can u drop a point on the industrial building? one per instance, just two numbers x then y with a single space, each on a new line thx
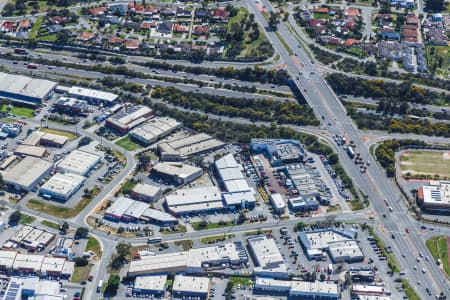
177 173
154 129
146 192
194 261
367 289
47 266
299 289
93 96
79 162
278 203
240 194
45 139
299 204
118 208
203 199
155 285
181 145
191 286
128 118
267 258
62 186
32 238
25 89
26 174
26 150
134 211
279 151
341 246
71 105
151 215
10 129
302 181
435 196
362 274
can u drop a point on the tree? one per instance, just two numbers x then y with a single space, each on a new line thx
123 249
434 5
3 185
81 233
14 218
62 37
333 159
113 284
9 9
81 261
273 20
64 227
322 277
85 140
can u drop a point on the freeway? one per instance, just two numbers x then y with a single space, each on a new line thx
374 182
71 73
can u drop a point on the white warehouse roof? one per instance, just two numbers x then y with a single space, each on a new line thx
27 172
63 184
79 162
25 86
77 91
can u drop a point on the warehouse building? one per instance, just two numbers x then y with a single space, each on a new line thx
135 211
204 199
146 192
118 208
299 204
161 218
278 203
435 196
340 245
62 186
7 260
299 289
28 263
71 105
57 267
52 140
26 174
267 258
182 145
279 151
26 150
154 129
25 89
367 289
302 181
32 238
95 97
191 286
194 261
128 118
177 173
79 162
154 285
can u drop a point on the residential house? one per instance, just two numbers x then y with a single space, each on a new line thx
132 44
409 35
85 36
412 20
120 9
183 13
202 13
115 41
321 10
351 13
8 26
178 28
98 11
147 25
168 12
350 42
200 30
220 14
24 25
164 27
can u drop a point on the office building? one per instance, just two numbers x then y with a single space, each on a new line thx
128 118
26 174
435 196
25 89
154 129
146 192
95 97
79 162
279 151
278 203
267 258
345 251
299 204
182 145
191 286
62 186
204 199
71 105
299 289
118 208
177 173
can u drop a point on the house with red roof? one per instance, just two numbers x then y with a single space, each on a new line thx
220 14
178 28
200 30
98 11
85 36
350 42
132 44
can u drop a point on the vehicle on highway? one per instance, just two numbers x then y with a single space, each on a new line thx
154 240
99 286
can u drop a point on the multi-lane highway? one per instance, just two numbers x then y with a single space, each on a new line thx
373 183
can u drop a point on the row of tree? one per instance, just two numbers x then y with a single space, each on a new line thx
267 110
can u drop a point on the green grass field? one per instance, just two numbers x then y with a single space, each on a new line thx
94 245
244 281
438 60
69 135
216 238
81 273
438 248
425 162
26 219
50 224
198 226
185 244
128 144
321 16
26 112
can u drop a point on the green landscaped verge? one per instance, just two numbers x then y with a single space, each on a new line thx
69 135
257 232
81 273
185 244
61 211
35 28
244 281
128 144
50 224
321 16
438 248
47 37
26 219
409 291
20 111
178 229
202 226
216 238
128 186
94 245
392 263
